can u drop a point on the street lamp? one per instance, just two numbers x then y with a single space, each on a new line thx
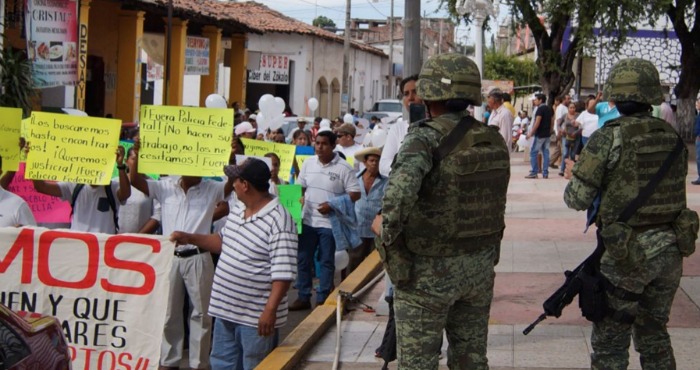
478 10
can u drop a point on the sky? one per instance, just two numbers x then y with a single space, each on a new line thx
307 10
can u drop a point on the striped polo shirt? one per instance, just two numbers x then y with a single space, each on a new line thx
255 251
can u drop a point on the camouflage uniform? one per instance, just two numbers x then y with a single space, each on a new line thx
618 160
443 225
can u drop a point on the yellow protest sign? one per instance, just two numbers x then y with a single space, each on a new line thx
285 151
301 158
185 140
10 123
71 148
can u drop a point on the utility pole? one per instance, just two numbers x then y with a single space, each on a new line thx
392 95
345 98
411 39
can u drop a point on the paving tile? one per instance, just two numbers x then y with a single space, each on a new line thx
551 351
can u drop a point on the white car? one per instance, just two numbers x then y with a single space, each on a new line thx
389 107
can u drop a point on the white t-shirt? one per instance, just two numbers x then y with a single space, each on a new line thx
137 210
190 212
561 112
323 182
588 123
394 138
91 212
14 210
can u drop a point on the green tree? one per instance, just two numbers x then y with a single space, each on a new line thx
323 22
16 80
498 66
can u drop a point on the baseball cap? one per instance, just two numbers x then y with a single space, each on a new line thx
253 116
244 127
301 120
252 170
347 129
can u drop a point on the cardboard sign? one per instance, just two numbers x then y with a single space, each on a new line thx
258 148
46 209
80 150
108 291
10 127
289 196
184 140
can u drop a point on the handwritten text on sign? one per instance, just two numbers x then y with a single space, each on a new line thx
46 209
71 149
107 290
259 148
10 122
185 141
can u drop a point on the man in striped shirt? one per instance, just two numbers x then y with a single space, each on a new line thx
258 248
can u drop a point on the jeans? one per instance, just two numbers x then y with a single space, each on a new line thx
239 347
310 239
584 140
541 144
697 155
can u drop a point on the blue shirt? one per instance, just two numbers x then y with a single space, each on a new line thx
696 129
369 204
605 113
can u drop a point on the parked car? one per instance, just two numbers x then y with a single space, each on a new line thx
391 107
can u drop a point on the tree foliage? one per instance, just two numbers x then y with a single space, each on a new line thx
323 21
16 80
498 66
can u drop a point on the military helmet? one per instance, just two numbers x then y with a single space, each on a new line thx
449 76
634 80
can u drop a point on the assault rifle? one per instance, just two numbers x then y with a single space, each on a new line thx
554 305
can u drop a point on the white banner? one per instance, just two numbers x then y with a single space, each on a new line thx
273 69
110 292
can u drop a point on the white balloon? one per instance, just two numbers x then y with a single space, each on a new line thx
264 104
378 137
348 118
276 122
313 104
279 105
367 141
341 260
263 124
325 123
215 101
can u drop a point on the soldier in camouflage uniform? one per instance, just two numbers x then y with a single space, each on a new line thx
443 222
643 257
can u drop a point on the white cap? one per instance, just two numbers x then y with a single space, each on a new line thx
253 116
325 123
244 127
325 129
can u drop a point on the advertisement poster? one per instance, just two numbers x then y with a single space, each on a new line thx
197 56
52 35
273 69
109 292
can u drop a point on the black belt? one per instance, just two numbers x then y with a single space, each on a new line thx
188 252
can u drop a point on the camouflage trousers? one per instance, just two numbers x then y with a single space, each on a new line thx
657 280
451 293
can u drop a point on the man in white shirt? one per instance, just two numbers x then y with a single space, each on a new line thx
347 145
588 121
322 177
14 211
500 116
187 204
398 130
95 207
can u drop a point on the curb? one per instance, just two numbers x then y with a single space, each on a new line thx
301 340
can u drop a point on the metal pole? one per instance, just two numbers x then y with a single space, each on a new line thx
479 55
345 99
168 51
412 51
391 52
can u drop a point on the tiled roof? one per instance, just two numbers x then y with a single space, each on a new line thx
249 17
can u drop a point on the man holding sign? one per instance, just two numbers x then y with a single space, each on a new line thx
187 204
94 207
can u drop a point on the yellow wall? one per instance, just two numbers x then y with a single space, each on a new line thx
103 38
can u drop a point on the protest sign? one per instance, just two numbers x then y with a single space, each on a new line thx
10 124
72 149
127 145
289 196
301 159
108 291
46 209
184 140
259 148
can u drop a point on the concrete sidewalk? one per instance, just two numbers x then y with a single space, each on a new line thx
543 238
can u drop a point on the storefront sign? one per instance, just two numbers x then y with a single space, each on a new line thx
197 56
273 69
